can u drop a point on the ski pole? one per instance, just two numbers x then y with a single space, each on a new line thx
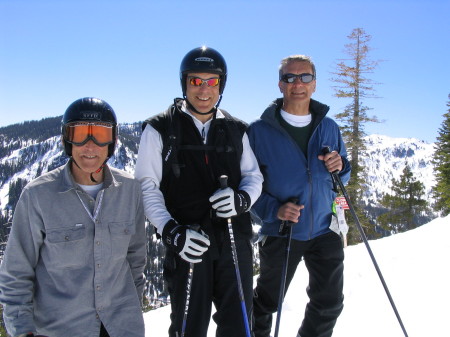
188 297
223 184
337 179
285 225
188 289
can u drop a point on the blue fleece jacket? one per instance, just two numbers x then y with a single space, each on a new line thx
289 173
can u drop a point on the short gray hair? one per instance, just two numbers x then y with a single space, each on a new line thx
296 58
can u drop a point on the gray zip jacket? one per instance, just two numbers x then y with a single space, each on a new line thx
63 274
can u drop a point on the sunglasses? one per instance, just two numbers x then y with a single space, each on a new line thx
197 81
304 78
80 133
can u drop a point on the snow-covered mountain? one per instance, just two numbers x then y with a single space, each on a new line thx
385 159
25 153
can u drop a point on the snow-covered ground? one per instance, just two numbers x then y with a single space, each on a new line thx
415 266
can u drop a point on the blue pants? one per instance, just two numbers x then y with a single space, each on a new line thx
323 256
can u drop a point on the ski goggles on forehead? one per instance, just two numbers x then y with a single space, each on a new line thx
197 81
80 133
290 78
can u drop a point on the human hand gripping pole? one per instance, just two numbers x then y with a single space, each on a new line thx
226 202
285 229
337 178
188 241
286 226
223 185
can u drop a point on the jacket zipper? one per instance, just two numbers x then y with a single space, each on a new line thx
311 225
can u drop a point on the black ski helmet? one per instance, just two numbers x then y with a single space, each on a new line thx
89 109
203 60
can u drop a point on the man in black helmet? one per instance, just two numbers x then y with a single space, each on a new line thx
75 257
182 154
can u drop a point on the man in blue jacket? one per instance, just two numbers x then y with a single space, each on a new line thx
288 141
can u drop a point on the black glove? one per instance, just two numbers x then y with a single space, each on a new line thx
227 202
185 241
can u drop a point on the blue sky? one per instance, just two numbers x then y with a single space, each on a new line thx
128 52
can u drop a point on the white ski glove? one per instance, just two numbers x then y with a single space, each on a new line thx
187 242
227 202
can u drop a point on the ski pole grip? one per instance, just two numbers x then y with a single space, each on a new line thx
195 227
223 182
326 149
294 200
286 224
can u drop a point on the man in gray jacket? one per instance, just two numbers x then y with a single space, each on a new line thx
75 257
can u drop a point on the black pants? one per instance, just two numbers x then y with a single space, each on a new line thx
323 258
214 281
103 332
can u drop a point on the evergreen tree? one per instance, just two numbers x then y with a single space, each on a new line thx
5 224
352 83
15 189
2 324
156 292
441 160
404 205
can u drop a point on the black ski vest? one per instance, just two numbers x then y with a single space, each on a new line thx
191 169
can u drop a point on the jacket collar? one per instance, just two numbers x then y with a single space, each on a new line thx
318 111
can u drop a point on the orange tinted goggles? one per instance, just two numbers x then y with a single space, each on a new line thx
211 82
80 133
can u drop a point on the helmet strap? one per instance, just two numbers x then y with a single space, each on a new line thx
99 169
92 173
74 161
92 178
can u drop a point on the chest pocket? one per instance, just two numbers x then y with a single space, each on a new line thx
120 233
66 246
